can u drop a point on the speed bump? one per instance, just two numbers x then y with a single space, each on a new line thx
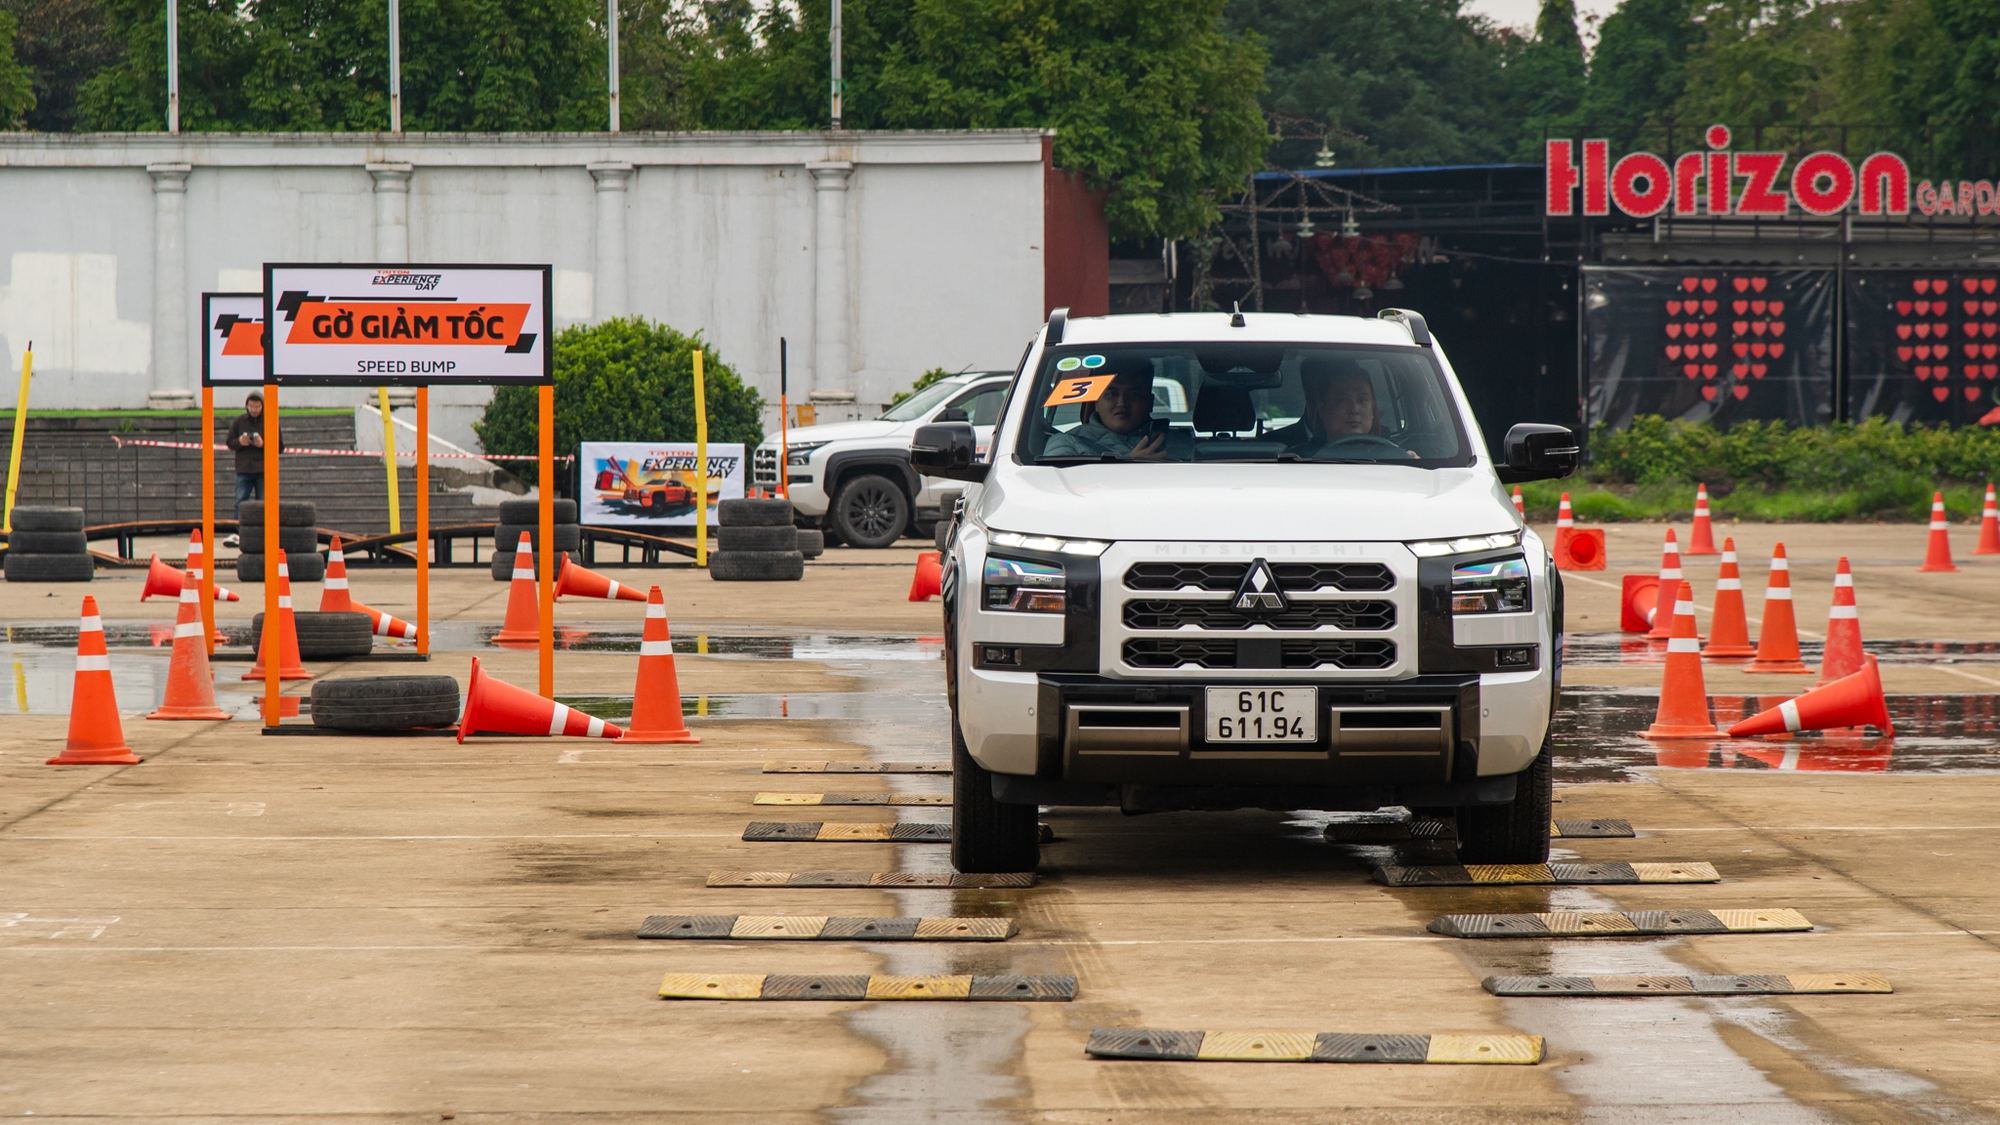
1427 828
899 832
1634 923
856 767
777 986
868 879
1536 874
1601 829
926 800
1697 985
799 927
1306 1046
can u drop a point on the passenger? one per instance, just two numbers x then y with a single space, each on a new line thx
1118 424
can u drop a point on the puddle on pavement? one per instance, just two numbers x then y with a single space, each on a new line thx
467 636
1608 650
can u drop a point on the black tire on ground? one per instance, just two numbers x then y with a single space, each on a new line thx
48 542
754 512
385 702
869 511
300 566
941 534
324 636
503 565
569 537
47 517
291 513
290 538
987 836
1516 832
24 567
741 538
756 566
530 511
812 542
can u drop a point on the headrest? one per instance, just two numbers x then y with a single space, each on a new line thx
1219 409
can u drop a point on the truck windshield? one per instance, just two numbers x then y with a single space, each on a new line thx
920 404
1326 403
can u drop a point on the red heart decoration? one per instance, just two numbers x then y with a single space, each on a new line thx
1989 369
1777 350
1987 284
1923 285
1708 308
1688 283
1674 330
1758 349
1970 283
1758 283
1740 370
1971 329
1923 331
1777 328
1939 330
1901 353
1740 328
1756 328
1922 373
1673 351
1690 328
1757 307
1989 328
1691 369
1708 328
1972 351
1741 392
1939 285
1902 331
1940 393
1708 392
1708 370
1971 307
1740 283
1972 394
1777 308
1708 285
1708 351
1988 308
1972 371
1737 307
1673 308
1741 349
1989 350
1758 369
1902 308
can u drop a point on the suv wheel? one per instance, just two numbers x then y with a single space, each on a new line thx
987 836
870 511
1518 831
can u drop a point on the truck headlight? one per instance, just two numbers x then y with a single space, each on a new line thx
1491 586
1437 548
1024 587
801 454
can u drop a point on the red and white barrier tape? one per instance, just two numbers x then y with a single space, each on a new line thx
412 454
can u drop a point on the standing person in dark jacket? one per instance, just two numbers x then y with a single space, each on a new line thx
246 438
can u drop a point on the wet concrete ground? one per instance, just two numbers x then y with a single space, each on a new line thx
247 928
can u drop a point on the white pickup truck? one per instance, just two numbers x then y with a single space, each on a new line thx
1314 593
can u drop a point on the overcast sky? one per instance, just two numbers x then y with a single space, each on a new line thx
1521 13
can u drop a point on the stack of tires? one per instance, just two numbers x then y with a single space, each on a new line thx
298 537
812 542
337 635
517 516
756 543
385 703
48 545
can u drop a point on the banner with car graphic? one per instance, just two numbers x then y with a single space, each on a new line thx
652 485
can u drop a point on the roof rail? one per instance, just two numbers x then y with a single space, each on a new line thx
1420 333
1058 320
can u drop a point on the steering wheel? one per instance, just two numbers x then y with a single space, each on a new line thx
1363 445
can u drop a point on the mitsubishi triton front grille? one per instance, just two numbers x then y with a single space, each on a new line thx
1354 616
1299 655
764 467
1225 577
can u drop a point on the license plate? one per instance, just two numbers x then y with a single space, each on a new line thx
1263 714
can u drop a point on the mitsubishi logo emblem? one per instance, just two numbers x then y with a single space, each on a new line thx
1259 593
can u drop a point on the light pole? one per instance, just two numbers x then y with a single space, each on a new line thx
833 35
173 67
395 67
611 25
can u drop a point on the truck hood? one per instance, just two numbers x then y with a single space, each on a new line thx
839 431
1192 502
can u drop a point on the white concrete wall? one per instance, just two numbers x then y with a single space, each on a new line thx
934 257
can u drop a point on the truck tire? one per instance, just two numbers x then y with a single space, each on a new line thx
812 542
291 538
741 538
987 836
47 517
1518 831
385 702
300 566
569 537
291 513
23 567
48 542
941 534
324 636
530 511
756 566
754 512
869 511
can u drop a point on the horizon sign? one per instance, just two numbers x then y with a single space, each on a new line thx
1643 185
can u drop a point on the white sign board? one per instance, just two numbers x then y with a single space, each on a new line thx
232 352
651 484
414 325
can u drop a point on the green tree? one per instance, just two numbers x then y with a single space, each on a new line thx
625 379
129 94
1764 63
1638 72
62 43
1546 76
17 85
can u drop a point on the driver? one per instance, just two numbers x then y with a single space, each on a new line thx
1118 424
1340 404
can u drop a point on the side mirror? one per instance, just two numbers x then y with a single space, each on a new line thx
1538 452
947 449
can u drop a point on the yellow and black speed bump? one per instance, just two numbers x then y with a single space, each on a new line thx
1794 983
794 927
920 800
776 986
1427 828
857 767
1602 829
1633 923
1534 874
1305 1046
813 831
868 879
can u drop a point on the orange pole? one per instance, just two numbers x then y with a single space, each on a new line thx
424 520
273 645
545 581
208 518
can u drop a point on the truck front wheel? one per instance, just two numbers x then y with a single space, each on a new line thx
1518 831
987 836
869 511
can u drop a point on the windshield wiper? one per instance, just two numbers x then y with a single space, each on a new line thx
1080 459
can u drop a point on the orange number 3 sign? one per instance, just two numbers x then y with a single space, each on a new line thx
1083 388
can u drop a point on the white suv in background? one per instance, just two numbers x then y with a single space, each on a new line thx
853 479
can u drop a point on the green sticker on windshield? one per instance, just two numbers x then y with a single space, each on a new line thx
1068 363
1093 361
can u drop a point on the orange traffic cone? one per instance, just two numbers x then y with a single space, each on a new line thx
524 617
96 738
1520 506
1851 701
1701 538
497 707
164 579
573 577
197 560
1565 525
1843 630
1638 600
190 683
383 624
333 591
928 581
1937 556
1732 626
656 700
1989 526
1670 576
1778 639
1683 709
289 667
